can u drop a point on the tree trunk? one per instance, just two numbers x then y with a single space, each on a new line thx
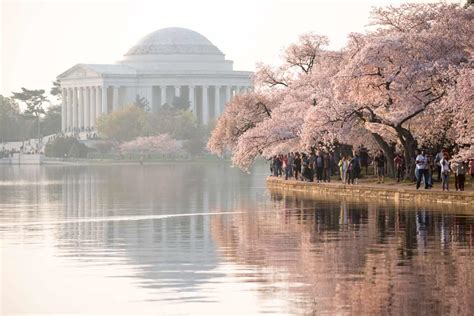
388 151
410 145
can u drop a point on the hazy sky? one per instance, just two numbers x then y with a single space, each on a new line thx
41 39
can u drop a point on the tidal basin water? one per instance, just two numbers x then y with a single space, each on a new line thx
208 239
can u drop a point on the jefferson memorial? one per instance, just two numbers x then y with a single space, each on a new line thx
165 64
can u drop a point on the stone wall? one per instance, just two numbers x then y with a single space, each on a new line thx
370 193
26 159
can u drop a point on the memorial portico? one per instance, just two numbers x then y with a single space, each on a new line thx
166 64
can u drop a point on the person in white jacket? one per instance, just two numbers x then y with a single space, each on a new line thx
445 170
343 166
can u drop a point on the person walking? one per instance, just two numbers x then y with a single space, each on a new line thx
307 173
380 161
472 167
460 173
421 169
438 158
350 175
327 167
297 166
290 164
319 167
343 166
312 163
355 169
275 166
285 166
445 169
272 165
398 163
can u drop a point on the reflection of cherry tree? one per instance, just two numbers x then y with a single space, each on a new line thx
161 144
351 257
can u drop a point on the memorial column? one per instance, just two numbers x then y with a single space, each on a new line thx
217 101
227 94
104 100
98 104
115 104
192 101
75 109
69 109
86 107
92 105
163 97
205 106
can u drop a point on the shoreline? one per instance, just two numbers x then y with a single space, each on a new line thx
48 161
370 192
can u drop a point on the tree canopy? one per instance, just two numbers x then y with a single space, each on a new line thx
391 85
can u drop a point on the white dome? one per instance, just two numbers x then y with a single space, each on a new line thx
174 41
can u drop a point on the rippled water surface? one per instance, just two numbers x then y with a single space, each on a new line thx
207 239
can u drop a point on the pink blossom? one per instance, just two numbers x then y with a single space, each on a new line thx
161 144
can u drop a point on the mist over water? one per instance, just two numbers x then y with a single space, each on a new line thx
176 238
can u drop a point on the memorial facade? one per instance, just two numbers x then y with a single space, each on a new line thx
168 63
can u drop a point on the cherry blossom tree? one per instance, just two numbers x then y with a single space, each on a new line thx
241 114
161 144
400 71
396 84
269 121
461 100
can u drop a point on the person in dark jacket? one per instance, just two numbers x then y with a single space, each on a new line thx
355 169
297 165
380 161
319 166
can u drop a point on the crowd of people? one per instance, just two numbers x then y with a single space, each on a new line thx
27 148
320 166
426 165
317 166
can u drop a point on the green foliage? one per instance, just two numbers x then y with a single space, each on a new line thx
196 144
134 121
66 147
51 123
56 90
78 150
181 103
179 124
123 125
142 103
10 120
34 100
104 147
16 126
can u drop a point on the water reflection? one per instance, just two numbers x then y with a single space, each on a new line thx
347 257
198 235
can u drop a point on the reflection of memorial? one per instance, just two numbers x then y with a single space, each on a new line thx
339 257
114 211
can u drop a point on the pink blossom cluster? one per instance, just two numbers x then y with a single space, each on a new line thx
406 81
160 144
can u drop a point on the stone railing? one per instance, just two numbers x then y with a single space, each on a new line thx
372 192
